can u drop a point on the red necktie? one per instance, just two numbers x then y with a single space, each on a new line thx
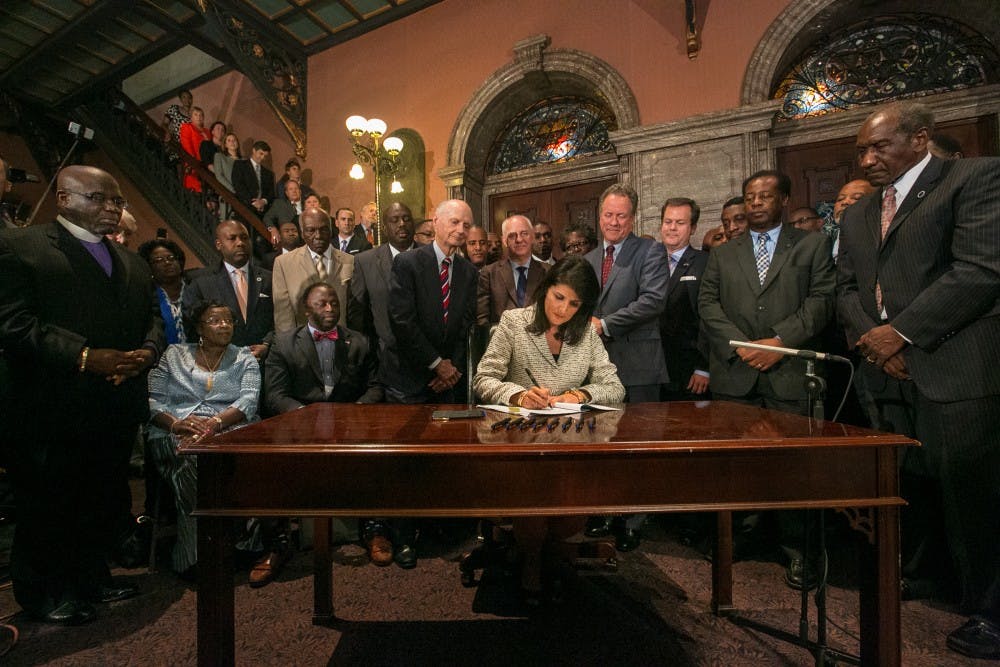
609 260
445 287
320 335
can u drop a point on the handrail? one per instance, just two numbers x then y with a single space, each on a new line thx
154 130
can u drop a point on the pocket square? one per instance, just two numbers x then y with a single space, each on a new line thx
263 296
683 278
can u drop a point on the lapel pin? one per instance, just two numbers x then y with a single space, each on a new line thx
920 195
258 279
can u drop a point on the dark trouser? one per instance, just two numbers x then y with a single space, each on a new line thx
952 485
70 508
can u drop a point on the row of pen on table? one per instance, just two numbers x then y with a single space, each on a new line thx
537 424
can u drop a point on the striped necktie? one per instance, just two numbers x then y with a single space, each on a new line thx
888 213
445 287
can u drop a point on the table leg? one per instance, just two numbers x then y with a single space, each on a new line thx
216 601
880 623
722 565
322 572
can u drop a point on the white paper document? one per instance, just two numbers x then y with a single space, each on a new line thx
558 409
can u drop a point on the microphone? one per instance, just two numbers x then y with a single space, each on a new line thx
791 352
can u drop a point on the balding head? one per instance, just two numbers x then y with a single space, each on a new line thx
452 219
78 189
317 230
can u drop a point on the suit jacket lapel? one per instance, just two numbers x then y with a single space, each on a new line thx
507 278
787 239
307 349
228 291
926 181
542 347
254 281
622 256
746 261
680 270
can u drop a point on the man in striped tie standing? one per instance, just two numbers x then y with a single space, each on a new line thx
432 304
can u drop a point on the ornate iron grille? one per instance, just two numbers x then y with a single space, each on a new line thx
886 58
552 130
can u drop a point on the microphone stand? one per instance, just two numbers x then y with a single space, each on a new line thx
815 387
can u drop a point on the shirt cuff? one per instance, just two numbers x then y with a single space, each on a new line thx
902 335
435 363
604 328
703 374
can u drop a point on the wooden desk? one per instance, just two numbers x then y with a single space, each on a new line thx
391 460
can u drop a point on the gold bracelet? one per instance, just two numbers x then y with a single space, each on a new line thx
219 420
520 400
83 359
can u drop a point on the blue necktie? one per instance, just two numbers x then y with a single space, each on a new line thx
522 285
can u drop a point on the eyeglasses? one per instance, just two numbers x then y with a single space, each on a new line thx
218 321
100 198
165 259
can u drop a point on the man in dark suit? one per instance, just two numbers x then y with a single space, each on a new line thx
432 304
687 367
253 184
509 284
369 309
633 275
773 285
319 361
240 284
919 293
285 209
346 240
79 330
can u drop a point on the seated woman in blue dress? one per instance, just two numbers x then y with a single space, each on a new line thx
196 390
539 355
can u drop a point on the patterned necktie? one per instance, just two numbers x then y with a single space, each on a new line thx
330 335
888 213
321 268
522 285
763 260
369 235
343 245
445 287
609 260
673 263
241 292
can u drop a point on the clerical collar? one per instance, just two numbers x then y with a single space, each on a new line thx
78 231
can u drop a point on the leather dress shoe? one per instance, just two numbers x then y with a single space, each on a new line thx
800 577
598 526
268 567
71 612
114 593
978 638
406 557
380 550
627 539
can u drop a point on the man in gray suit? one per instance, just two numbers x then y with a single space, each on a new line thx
773 285
369 309
919 294
633 274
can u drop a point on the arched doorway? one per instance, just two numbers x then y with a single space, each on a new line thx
826 57
559 188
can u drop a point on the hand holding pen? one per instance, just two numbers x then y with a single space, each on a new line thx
536 397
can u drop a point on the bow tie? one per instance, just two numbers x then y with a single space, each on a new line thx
320 335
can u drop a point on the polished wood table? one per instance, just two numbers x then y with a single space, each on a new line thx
331 460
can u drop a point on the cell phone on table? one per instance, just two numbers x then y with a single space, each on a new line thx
445 415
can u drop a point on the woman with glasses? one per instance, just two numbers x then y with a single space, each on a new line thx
198 389
166 261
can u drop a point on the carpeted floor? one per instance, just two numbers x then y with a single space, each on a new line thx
653 611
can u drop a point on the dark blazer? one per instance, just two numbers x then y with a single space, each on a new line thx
795 302
498 290
630 304
938 269
55 300
216 285
417 317
369 310
293 376
245 182
280 211
355 245
679 322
